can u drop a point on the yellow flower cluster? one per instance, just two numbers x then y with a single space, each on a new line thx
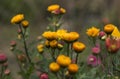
93 32
63 61
56 9
17 19
61 34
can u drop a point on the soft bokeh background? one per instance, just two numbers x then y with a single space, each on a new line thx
80 15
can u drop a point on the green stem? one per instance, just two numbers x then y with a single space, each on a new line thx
77 56
25 44
1 74
68 50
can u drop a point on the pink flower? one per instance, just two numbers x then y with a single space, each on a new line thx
93 60
44 76
96 49
13 43
3 58
113 45
7 72
102 35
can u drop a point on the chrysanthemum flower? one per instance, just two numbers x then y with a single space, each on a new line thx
93 60
53 43
17 19
70 37
93 32
40 48
56 9
116 33
53 7
25 23
54 67
73 68
63 60
78 46
60 33
50 35
109 28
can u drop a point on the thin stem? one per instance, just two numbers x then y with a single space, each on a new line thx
77 56
2 69
68 49
25 45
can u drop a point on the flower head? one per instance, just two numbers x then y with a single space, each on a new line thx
93 60
3 58
56 9
102 35
44 76
93 32
53 43
73 68
40 48
113 45
54 67
96 49
50 35
109 28
60 33
78 46
63 60
70 37
25 23
13 43
17 19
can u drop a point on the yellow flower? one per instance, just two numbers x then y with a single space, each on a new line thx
109 28
60 46
62 10
73 68
60 33
54 67
63 60
116 33
17 19
47 43
40 48
78 46
93 31
50 35
53 43
70 37
25 23
53 7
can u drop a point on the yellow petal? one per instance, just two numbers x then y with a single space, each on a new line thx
116 33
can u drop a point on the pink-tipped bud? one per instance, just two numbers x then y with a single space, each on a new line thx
44 76
3 58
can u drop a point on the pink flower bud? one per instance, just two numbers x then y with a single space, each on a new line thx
44 76
13 43
3 58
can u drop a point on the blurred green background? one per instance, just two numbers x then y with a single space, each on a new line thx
80 15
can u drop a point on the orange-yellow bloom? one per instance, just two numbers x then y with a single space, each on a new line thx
50 35
78 46
40 48
53 43
63 60
54 67
70 37
60 33
73 68
25 23
62 10
17 19
93 31
53 7
109 28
